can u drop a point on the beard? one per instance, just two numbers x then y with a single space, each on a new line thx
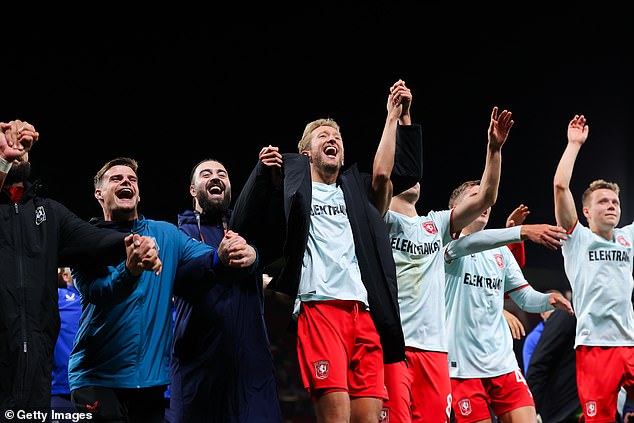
213 207
18 173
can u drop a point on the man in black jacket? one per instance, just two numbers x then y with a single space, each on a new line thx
37 235
551 375
337 261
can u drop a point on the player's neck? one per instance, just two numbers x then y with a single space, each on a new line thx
606 233
403 207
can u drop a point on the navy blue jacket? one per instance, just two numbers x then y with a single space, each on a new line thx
221 367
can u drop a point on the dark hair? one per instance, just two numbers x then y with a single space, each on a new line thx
119 161
192 175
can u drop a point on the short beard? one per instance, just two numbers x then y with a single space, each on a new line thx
19 173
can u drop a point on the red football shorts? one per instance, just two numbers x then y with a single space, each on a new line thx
339 349
419 389
505 393
600 372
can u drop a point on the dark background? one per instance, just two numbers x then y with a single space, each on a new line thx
170 87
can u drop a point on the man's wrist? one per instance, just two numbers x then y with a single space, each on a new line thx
5 165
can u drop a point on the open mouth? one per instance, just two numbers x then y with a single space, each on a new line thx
216 189
125 193
330 151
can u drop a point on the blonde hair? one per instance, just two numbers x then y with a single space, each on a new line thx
304 143
596 185
457 193
119 161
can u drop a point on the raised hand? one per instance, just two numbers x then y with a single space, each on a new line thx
517 216
16 138
399 102
578 130
499 127
547 235
271 156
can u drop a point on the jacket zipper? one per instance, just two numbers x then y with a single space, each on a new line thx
19 248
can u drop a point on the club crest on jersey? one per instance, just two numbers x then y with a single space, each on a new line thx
40 215
499 261
464 405
430 227
591 408
385 415
621 240
322 369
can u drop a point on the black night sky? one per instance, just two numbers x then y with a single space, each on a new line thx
171 91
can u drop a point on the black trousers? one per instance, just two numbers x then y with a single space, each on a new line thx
115 405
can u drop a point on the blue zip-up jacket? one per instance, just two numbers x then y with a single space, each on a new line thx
125 330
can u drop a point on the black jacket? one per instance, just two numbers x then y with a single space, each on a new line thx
551 374
36 236
277 223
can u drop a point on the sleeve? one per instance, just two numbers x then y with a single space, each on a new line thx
197 272
408 158
518 288
529 345
259 215
480 241
101 285
528 299
84 244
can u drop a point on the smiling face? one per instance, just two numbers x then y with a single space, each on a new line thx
118 193
211 188
321 142
602 209
325 151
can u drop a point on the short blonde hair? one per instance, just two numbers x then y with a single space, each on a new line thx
304 143
596 185
458 192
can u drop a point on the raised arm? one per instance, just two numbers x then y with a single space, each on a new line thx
472 207
398 106
16 139
565 210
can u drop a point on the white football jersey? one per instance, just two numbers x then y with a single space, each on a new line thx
417 247
600 274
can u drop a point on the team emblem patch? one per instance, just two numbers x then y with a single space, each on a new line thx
385 415
322 369
621 240
430 227
464 405
591 408
40 215
499 261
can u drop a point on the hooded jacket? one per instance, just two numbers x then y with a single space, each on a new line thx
37 235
